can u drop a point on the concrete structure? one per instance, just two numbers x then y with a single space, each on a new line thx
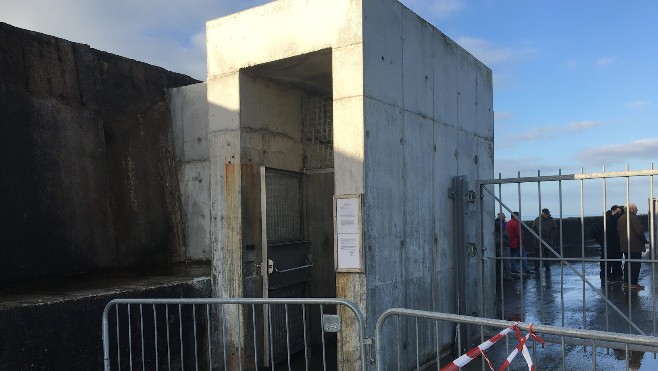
411 110
89 181
90 205
113 164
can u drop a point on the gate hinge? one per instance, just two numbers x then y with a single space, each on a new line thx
472 249
472 196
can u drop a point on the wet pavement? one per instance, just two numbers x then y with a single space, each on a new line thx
560 297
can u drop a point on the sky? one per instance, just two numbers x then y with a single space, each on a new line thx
575 81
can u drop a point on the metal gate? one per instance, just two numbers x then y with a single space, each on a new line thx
286 257
578 291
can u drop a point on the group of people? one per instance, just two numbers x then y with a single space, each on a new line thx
511 235
623 237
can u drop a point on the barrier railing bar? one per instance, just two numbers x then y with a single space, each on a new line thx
324 355
253 326
155 334
196 351
180 335
287 334
209 340
141 334
130 337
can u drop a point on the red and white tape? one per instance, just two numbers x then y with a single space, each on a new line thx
524 350
476 351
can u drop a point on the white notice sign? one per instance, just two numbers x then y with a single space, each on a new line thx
347 215
349 245
348 237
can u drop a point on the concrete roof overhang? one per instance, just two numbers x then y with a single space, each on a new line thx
310 72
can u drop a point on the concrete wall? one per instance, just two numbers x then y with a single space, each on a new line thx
89 178
411 110
189 107
428 121
62 330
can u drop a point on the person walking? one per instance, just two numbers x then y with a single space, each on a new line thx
545 227
517 252
631 241
611 270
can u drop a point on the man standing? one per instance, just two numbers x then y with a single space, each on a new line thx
631 241
515 234
611 270
545 227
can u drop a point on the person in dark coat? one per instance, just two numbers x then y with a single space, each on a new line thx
632 242
611 270
545 227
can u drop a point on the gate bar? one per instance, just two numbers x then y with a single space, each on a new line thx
579 176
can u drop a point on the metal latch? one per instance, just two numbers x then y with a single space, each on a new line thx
472 196
472 249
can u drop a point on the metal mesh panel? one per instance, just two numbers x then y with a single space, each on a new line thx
317 132
284 207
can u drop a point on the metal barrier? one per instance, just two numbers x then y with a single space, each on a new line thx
179 334
564 349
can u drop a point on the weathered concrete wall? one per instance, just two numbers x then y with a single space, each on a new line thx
62 330
430 119
89 177
189 108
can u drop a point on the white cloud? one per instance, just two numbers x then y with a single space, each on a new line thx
642 149
550 132
491 54
605 61
446 8
503 116
638 104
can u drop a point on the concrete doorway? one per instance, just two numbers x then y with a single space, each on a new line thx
286 130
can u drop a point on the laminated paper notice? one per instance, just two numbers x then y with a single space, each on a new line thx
348 250
348 236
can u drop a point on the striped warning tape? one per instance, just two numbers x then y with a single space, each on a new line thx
476 351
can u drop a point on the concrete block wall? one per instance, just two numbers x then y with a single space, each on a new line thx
89 177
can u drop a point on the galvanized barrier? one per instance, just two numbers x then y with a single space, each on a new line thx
209 334
564 349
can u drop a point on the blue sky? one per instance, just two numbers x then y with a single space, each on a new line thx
575 81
